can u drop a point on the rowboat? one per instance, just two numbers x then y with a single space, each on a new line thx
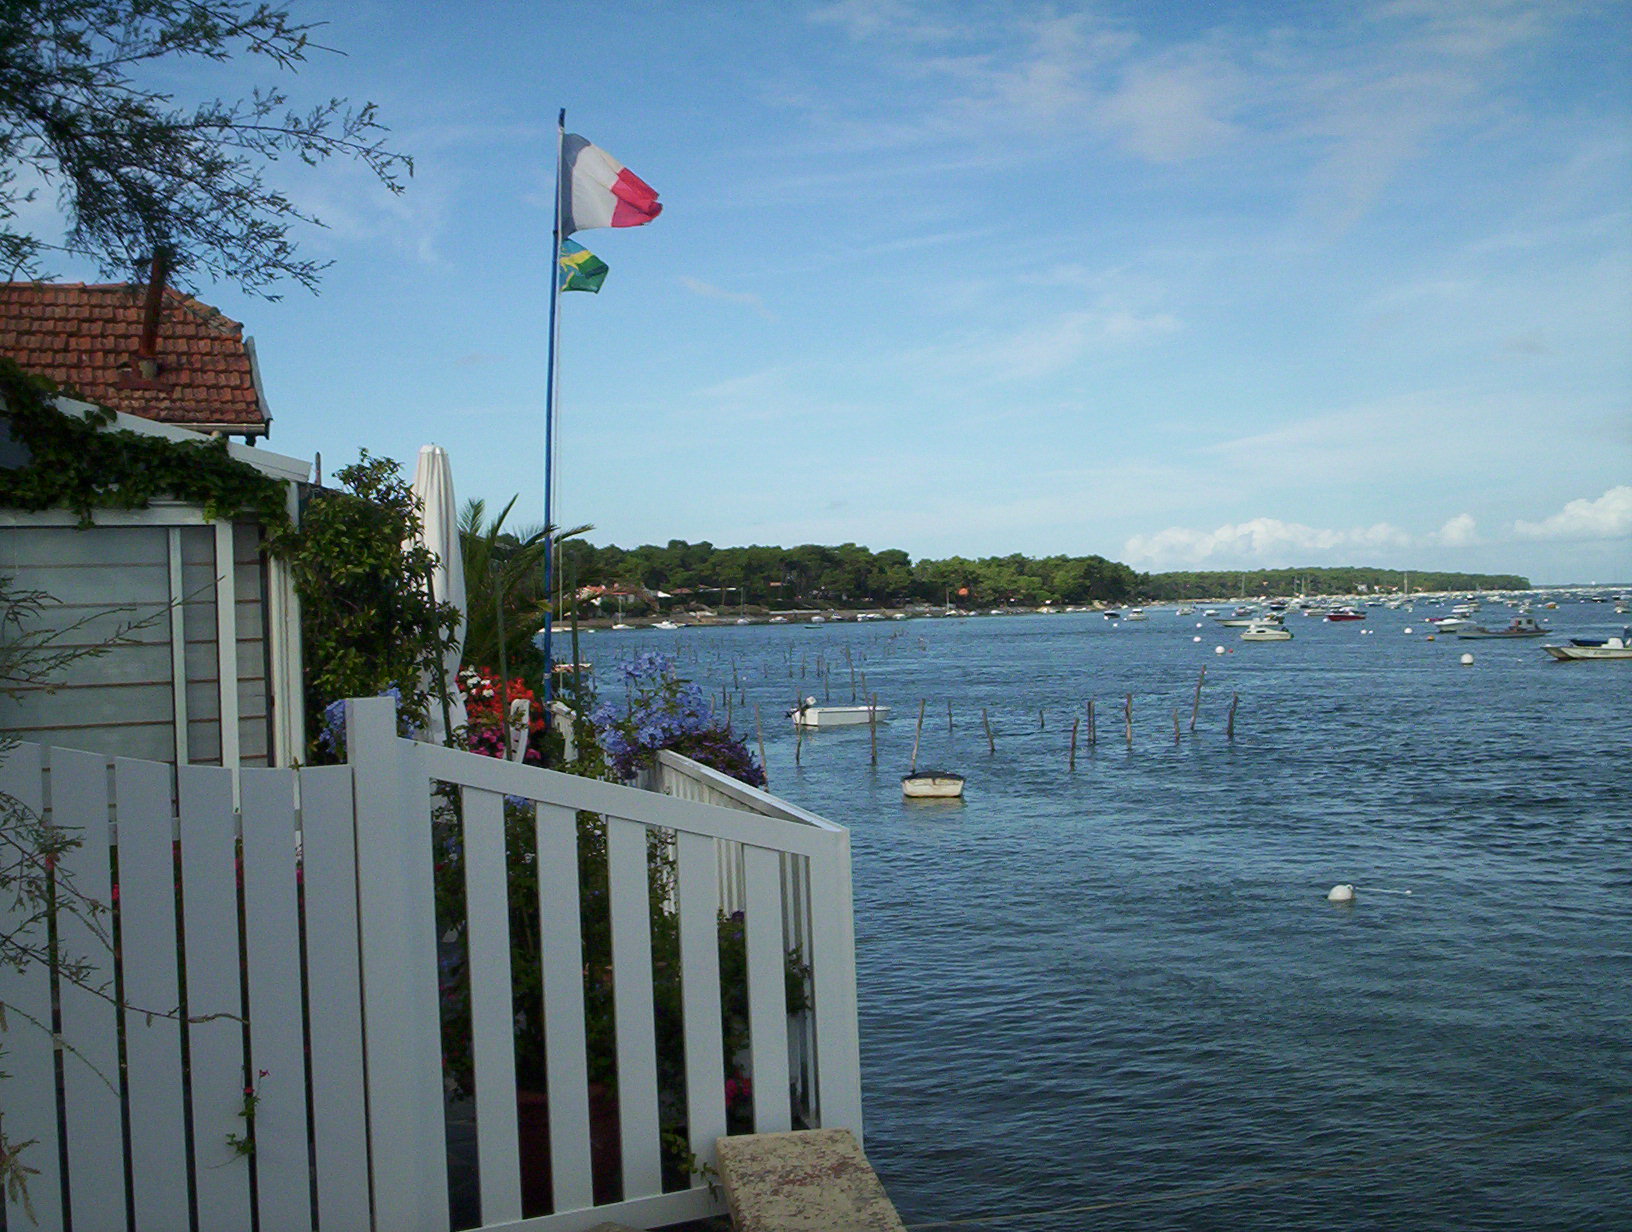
809 714
932 785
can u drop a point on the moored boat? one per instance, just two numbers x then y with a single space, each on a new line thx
1521 626
1266 631
1345 613
1591 648
932 785
809 714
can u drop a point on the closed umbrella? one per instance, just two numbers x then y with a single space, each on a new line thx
433 485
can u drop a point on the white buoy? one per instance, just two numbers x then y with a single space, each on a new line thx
1408 628
1340 894
1218 650
1197 638
1467 660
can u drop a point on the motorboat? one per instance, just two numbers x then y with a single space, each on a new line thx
809 714
932 785
1449 624
1521 626
665 624
1246 622
1266 631
1136 613
1594 648
1345 613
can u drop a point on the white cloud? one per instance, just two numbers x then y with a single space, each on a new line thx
1458 532
1167 112
1608 517
1268 542
709 291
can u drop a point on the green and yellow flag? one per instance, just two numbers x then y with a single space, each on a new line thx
581 270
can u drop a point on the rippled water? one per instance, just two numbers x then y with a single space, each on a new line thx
1116 992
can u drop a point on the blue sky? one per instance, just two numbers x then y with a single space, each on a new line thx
1189 285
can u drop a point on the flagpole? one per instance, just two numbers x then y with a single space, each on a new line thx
549 418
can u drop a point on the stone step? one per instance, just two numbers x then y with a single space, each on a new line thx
812 1180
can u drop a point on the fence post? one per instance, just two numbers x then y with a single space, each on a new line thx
402 1044
833 980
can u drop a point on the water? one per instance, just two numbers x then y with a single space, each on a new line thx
1117 992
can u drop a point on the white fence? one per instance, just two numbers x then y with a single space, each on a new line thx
299 939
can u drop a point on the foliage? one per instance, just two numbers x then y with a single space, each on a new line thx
80 464
371 623
135 171
812 575
664 711
488 699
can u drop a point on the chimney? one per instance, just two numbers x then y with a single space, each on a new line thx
147 358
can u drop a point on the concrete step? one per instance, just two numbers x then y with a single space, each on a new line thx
813 1180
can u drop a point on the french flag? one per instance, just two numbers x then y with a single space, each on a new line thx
599 191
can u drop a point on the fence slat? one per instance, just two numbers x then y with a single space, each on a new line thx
401 1013
767 991
276 1015
562 964
492 1014
29 1091
833 985
700 965
90 1022
209 878
329 877
630 893
147 921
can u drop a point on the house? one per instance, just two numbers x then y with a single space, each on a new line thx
210 672
152 352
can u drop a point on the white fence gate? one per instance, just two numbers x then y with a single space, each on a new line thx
292 945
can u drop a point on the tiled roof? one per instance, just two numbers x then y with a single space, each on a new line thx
85 338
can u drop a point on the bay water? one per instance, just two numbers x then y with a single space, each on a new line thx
1116 996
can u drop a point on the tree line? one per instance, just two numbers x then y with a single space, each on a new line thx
1344 580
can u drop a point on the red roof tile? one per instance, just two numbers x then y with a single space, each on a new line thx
85 338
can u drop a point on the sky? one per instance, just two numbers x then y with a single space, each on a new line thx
1220 285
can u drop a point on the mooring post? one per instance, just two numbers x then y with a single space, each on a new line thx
1093 731
1127 718
872 725
1195 707
1229 731
913 768
991 745
759 731
1073 762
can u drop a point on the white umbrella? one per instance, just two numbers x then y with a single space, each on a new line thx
433 485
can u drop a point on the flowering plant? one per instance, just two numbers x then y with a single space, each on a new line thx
664 711
487 699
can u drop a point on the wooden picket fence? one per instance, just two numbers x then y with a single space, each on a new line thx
290 944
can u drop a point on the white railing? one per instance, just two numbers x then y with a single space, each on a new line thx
334 867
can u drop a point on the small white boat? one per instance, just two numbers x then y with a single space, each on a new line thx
809 714
1592 648
1246 622
665 624
932 785
1266 631
1136 613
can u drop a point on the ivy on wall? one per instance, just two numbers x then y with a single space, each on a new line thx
82 464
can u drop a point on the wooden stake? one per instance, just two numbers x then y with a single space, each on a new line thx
1195 706
1127 718
1042 723
1229 730
1175 724
1093 732
949 717
913 768
991 745
759 731
872 724
798 741
1073 763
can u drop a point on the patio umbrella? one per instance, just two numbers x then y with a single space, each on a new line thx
433 485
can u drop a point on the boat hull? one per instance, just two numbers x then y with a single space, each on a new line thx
1613 649
839 716
932 785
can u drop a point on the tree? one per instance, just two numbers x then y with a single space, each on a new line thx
136 171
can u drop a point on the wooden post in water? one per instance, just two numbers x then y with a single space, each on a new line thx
949 716
1127 718
1042 723
1073 763
872 725
1093 731
852 664
1175 724
759 731
991 745
798 741
1229 730
1195 707
913 768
